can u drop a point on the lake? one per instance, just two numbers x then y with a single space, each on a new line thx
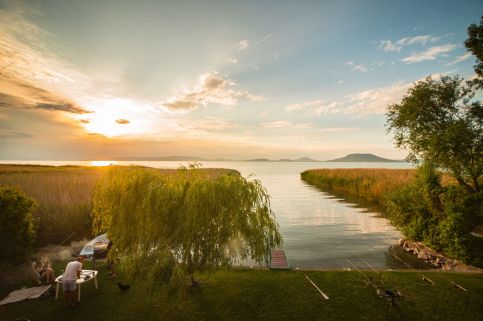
319 230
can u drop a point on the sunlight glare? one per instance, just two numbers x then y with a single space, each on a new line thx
103 163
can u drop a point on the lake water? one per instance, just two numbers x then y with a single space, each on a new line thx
318 229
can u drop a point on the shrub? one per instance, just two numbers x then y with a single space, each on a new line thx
440 217
16 224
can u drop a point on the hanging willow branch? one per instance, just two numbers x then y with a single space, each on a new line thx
166 227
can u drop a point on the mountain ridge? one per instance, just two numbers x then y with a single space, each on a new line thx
365 158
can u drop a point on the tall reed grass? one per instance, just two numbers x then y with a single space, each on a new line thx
64 196
371 184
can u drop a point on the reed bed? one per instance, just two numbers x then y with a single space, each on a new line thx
371 184
63 194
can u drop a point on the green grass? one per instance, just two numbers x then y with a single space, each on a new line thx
235 294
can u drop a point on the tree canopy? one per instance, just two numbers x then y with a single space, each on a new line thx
16 224
166 227
440 122
474 44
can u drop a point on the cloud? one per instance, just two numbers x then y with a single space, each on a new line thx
339 129
375 101
208 124
242 45
396 46
372 101
360 68
341 81
460 59
357 67
9 134
31 77
286 124
210 88
430 54
301 106
388 45
122 121
422 40
363 103
17 95
259 41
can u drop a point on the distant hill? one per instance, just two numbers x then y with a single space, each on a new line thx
258 160
302 159
305 159
364 158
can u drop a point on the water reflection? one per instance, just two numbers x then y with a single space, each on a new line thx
320 230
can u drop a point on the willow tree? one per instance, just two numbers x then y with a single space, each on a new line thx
166 227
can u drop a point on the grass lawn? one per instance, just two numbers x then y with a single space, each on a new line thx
236 294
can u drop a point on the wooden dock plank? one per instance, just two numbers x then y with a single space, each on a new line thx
278 260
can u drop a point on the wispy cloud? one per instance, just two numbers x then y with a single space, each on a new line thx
286 124
339 129
366 102
210 88
242 44
316 107
357 67
16 95
388 45
460 59
207 124
373 101
304 105
430 54
31 76
122 121
259 41
361 68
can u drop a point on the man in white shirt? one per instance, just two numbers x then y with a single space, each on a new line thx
71 274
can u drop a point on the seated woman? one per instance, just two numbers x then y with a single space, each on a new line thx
47 275
45 272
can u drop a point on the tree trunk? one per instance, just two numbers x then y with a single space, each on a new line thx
464 184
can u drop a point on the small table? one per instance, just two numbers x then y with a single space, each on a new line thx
86 276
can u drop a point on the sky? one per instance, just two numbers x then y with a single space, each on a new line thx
87 80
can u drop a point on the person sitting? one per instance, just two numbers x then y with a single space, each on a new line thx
44 272
47 275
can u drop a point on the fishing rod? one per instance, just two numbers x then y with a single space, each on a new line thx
27 262
387 294
381 276
424 277
453 284
65 240
318 289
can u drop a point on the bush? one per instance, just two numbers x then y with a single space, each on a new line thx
16 224
440 217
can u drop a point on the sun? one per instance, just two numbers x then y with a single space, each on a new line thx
102 163
115 117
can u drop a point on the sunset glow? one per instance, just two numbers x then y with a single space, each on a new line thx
221 80
102 163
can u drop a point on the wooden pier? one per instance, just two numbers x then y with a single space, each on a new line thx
278 260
